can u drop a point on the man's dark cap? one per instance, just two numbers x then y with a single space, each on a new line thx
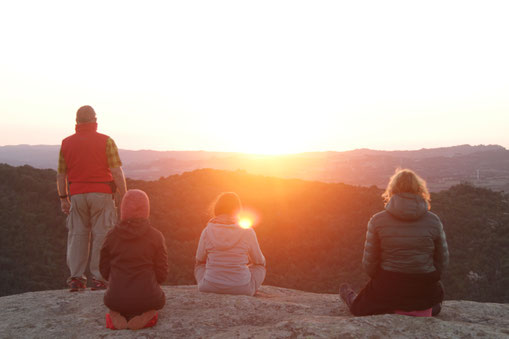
85 114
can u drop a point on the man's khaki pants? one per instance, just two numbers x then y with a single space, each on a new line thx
92 215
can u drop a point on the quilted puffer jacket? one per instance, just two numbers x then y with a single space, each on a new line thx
405 238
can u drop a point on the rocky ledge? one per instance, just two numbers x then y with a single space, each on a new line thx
273 313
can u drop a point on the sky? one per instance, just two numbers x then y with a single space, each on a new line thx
257 76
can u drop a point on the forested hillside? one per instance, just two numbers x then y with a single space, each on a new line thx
32 231
485 165
312 233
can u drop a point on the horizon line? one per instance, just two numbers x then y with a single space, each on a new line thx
282 154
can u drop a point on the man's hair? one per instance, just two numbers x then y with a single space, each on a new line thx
406 181
227 203
85 114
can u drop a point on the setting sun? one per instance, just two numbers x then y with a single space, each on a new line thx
223 82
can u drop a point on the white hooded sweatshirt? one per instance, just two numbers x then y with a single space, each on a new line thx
227 250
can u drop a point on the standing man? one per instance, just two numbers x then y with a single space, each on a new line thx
90 167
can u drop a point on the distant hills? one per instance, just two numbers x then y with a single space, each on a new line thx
482 165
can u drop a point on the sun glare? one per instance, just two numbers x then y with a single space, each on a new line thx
245 223
247 219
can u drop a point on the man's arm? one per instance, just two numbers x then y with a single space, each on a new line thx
115 166
65 203
119 178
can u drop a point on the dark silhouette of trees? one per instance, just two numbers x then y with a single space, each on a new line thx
312 233
32 231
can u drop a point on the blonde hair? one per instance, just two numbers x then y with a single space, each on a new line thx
406 181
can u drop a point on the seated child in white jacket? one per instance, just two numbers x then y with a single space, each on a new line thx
228 258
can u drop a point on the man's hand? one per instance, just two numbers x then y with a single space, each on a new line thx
65 205
119 178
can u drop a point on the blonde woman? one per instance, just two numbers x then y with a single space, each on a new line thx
405 254
228 258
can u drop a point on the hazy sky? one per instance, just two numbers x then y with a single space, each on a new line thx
257 76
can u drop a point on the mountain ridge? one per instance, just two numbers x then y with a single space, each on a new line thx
483 165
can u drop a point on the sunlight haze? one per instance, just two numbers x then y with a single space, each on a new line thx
261 77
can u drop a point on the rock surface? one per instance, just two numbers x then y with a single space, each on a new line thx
274 312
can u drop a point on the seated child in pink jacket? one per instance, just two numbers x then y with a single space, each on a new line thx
134 260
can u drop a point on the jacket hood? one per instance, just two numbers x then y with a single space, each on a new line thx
135 205
407 206
224 232
132 228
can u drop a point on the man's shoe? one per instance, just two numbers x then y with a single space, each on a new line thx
76 285
97 285
347 294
